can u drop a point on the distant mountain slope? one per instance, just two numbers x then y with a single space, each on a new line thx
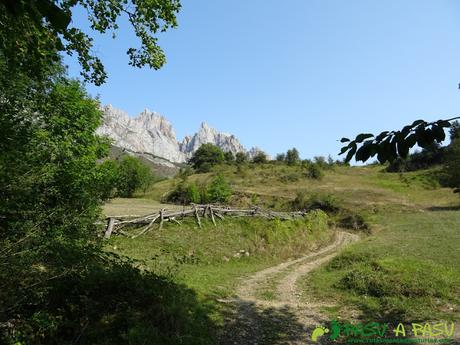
162 167
151 133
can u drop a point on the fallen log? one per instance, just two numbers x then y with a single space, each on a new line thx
146 228
109 230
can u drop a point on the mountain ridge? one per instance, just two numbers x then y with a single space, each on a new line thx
150 132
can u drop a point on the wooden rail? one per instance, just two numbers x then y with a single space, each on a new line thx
115 224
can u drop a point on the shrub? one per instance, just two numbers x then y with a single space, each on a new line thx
229 157
354 221
133 175
185 172
290 177
325 202
320 161
280 157
184 193
241 157
452 165
424 159
260 157
193 194
219 190
314 171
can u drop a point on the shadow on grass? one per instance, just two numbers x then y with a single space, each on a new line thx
105 301
444 208
247 323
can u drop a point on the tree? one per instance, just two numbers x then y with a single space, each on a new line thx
241 157
206 157
50 196
260 158
133 175
292 156
34 33
229 157
280 157
454 131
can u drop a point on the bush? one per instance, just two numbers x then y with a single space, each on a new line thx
260 158
241 157
218 191
184 172
306 201
229 157
290 177
193 194
320 161
314 171
451 167
133 175
354 222
185 193
427 158
280 157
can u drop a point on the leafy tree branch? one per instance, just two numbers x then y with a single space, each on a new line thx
389 145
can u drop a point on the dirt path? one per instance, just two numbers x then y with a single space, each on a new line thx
283 319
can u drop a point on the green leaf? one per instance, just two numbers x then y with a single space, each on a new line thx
439 133
363 136
58 18
444 123
351 153
403 148
365 151
344 140
416 123
381 136
345 148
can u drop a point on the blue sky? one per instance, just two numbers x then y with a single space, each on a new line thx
295 73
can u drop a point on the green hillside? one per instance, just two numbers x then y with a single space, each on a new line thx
405 266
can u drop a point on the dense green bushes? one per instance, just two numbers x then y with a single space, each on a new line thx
217 191
133 175
57 286
424 159
314 171
308 201
451 168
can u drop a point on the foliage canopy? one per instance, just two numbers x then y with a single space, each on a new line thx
33 33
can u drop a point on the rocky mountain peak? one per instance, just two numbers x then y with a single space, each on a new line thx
152 133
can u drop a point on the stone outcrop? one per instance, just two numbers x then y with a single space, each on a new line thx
152 133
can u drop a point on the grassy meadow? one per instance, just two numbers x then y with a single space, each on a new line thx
406 265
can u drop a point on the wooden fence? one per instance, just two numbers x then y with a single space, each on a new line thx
115 224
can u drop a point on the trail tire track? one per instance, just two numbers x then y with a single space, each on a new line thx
285 320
